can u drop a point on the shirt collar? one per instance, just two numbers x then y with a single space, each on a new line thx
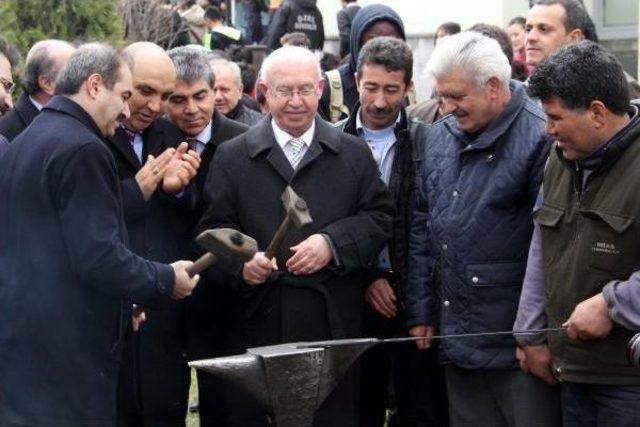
205 135
35 103
283 137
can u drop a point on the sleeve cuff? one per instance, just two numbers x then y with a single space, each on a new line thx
165 280
335 258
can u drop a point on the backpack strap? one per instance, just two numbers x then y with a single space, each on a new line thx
336 99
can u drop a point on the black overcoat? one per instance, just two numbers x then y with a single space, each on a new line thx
348 201
66 276
18 118
155 376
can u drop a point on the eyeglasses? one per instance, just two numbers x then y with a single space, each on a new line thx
286 93
8 85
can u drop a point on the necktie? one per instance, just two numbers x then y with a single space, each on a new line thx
131 136
193 144
297 151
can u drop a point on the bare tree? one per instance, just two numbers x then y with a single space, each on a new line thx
151 20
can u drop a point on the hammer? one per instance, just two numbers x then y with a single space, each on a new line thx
222 242
297 214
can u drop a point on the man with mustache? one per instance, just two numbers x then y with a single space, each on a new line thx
582 271
383 77
154 168
481 168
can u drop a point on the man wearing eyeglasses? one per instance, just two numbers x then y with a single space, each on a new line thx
9 58
313 289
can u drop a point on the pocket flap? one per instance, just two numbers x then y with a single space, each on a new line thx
548 216
617 222
496 273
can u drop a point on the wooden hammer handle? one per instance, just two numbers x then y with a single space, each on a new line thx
201 264
270 252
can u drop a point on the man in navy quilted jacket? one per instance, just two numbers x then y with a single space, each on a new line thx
481 170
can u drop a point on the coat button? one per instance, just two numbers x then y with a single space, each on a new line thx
444 247
559 370
489 158
446 303
475 279
455 193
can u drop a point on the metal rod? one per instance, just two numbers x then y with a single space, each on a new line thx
328 344
475 334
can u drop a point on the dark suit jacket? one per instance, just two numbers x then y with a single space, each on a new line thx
205 306
17 119
155 377
4 144
66 276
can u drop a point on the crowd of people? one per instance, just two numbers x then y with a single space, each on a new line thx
497 205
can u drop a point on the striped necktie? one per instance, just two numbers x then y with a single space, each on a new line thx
297 151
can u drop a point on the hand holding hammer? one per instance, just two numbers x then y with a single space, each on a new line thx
257 271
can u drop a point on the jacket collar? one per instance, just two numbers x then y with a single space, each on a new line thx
497 127
236 112
260 137
608 153
217 123
65 105
25 109
261 141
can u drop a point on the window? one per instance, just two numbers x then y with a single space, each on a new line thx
616 19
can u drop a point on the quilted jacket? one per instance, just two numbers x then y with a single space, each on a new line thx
471 230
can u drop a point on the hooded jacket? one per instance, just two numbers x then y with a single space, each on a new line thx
365 18
297 16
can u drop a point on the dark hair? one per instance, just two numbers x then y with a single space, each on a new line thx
10 52
518 20
392 53
450 28
213 13
576 16
295 39
580 73
92 58
499 35
329 61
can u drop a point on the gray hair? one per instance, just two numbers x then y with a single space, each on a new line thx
478 56
41 62
235 68
287 54
92 58
191 64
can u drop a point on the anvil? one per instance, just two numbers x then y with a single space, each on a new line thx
292 380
